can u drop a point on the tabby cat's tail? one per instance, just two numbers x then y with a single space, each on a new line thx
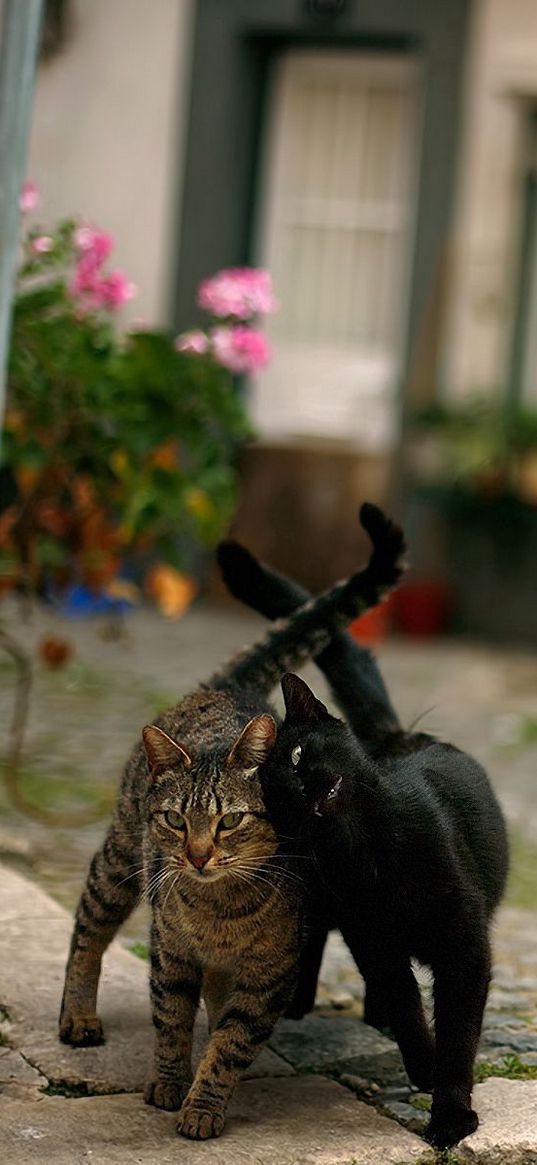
350 668
308 631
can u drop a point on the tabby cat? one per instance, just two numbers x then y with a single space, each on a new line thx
410 845
195 834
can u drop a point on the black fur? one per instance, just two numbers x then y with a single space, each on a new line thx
410 860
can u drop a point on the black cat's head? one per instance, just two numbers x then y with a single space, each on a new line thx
307 774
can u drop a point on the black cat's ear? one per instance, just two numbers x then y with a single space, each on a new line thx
300 703
162 752
254 744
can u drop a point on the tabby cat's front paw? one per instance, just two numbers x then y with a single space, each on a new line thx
449 1124
167 1094
198 1124
81 1031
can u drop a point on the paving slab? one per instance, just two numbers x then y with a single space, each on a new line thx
303 1121
17 1077
34 940
340 1043
507 1133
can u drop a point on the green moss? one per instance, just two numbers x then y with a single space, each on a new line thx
141 950
423 1103
66 1088
522 882
57 791
510 1066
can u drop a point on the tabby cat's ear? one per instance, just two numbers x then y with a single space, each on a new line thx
162 752
300 703
254 744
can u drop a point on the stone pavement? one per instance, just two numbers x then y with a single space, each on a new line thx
298 1106
329 1066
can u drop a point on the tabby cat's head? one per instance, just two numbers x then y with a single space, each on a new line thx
206 813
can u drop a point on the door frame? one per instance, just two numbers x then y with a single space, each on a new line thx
235 46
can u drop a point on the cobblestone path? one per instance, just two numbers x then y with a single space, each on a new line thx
86 717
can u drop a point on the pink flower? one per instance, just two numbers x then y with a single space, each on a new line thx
42 244
196 342
116 289
87 281
239 292
28 198
240 349
91 241
96 290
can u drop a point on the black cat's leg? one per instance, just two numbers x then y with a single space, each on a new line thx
461 979
351 670
391 978
110 894
303 1000
375 1009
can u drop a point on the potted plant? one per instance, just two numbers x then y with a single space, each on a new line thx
119 449
475 502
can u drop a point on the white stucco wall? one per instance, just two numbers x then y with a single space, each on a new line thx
107 134
501 82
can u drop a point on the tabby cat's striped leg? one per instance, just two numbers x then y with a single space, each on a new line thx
175 995
245 1025
109 896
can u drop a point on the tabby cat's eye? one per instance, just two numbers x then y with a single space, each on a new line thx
176 820
230 820
296 754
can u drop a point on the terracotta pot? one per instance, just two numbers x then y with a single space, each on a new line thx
527 477
373 626
422 607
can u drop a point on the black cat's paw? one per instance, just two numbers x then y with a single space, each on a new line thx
81 1031
420 1070
449 1125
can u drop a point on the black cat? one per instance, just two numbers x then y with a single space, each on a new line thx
410 856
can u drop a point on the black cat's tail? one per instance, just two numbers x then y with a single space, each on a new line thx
351 670
308 631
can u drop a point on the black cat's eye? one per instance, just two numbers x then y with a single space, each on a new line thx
176 820
296 754
230 820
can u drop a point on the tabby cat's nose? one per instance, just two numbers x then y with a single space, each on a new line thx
199 862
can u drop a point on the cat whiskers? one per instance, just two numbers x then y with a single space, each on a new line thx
140 870
251 875
159 879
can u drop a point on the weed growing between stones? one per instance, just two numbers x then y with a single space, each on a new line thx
510 1066
66 1088
423 1103
141 950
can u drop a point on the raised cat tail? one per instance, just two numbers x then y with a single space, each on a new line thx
351 669
309 630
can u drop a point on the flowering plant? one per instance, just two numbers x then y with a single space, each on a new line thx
116 447
234 296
